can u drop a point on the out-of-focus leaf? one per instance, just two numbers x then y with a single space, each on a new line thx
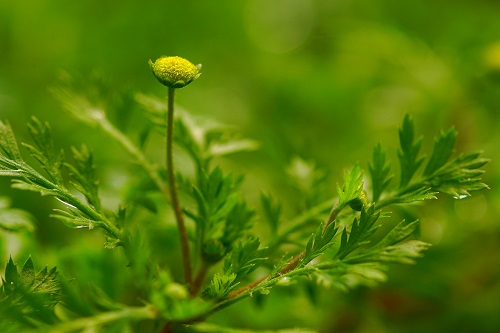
14 220
379 171
272 212
408 152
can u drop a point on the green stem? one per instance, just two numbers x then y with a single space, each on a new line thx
141 313
200 277
186 259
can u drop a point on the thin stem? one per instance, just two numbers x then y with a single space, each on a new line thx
167 328
186 258
200 277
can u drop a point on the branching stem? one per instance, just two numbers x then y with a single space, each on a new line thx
186 258
200 277
291 265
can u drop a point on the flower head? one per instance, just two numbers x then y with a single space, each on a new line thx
174 72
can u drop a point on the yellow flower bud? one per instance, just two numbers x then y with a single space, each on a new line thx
174 72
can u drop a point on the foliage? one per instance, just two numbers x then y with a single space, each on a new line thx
345 250
27 299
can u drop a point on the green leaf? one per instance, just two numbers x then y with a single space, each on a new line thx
84 174
244 258
222 217
8 143
27 275
379 171
401 232
232 147
394 248
352 188
28 185
46 282
419 194
14 220
185 138
30 297
74 219
402 253
238 222
347 276
44 151
318 243
271 211
460 176
408 153
220 286
84 98
360 231
442 151
11 276
309 179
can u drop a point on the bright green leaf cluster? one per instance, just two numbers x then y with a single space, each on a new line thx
443 173
27 295
244 258
339 250
361 229
318 243
78 214
352 187
221 217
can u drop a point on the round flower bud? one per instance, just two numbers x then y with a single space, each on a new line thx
174 72
176 291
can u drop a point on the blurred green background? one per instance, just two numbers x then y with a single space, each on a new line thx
321 80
